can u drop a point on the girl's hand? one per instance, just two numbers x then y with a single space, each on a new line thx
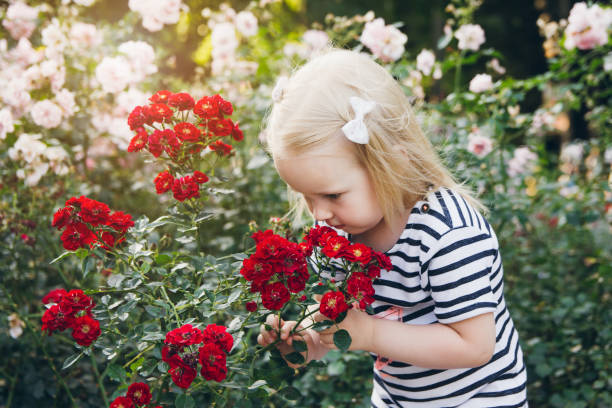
285 345
357 323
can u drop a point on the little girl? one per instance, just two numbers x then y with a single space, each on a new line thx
343 136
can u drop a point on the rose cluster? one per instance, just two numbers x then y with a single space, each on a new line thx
71 310
88 222
276 269
213 344
163 126
279 267
360 264
138 395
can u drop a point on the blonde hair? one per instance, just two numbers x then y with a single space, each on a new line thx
314 105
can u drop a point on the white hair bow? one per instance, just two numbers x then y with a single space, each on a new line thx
279 88
355 130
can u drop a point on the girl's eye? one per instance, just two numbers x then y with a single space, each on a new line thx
332 196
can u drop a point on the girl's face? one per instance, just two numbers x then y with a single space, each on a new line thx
337 189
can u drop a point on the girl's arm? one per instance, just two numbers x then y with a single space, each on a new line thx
468 343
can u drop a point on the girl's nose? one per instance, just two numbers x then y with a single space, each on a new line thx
320 213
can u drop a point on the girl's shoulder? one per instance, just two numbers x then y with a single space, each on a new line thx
443 210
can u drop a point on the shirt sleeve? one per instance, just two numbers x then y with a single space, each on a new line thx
458 274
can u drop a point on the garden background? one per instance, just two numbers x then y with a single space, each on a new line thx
516 95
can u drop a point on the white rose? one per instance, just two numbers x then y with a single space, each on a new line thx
84 35
65 100
479 145
470 36
6 122
481 83
46 114
425 61
316 40
114 74
246 23
522 162
141 57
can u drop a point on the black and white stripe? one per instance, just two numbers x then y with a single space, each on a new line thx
447 268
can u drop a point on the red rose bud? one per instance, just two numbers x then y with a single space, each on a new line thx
251 306
237 133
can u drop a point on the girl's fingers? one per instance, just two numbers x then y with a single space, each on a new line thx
317 298
286 328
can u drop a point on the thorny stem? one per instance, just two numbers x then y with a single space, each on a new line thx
178 320
138 355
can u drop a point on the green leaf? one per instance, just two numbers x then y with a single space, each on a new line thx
62 256
319 289
257 384
153 336
81 253
87 265
340 317
155 311
290 393
184 401
322 325
295 358
136 364
162 259
342 339
300 346
116 373
71 360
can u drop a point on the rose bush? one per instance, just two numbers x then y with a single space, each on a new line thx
71 74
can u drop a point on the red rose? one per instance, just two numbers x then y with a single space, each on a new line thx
383 260
170 355
335 246
56 318
237 134
85 330
170 143
187 131
160 97
155 143
75 301
254 269
94 212
261 235
333 304
213 361
76 236
200 177
138 117
183 375
360 287
181 101
207 108
251 306
225 107
185 335
296 282
107 241
218 335
122 402
54 296
306 248
373 271
274 296
358 253
120 221
61 218
184 188
316 234
160 112
220 127
139 393
139 141
163 182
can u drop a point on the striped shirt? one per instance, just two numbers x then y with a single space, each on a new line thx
447 268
